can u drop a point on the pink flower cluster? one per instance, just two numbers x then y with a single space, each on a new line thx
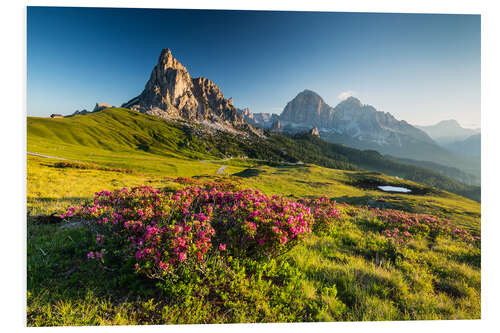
326 213
163 231
401 226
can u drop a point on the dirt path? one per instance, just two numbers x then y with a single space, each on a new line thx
221 170
47 156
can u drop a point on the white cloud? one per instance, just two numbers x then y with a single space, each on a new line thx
345 94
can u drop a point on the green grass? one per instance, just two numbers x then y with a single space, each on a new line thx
121 137
346 275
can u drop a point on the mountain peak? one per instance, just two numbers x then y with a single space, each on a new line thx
350 102
172 93
307 108
167 60
449 123
165 53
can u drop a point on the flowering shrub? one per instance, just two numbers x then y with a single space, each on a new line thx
401 226
251 223
325 212
164 232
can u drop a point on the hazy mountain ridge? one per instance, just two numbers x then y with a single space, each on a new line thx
448 131
470 147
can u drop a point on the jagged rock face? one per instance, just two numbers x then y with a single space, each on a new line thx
171 93
349 119
308 109
366 123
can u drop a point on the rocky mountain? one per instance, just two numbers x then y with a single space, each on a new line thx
350 118
448 131
262 119
361 126
305 111
172 93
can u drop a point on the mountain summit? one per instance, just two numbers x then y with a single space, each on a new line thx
307 109
350 118
172 93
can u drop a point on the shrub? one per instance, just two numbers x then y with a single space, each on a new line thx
167 234
325 212
401 226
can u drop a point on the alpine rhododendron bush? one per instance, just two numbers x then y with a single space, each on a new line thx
161 232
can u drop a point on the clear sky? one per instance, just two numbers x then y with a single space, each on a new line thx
421 68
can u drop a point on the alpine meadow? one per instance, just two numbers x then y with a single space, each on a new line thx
181 205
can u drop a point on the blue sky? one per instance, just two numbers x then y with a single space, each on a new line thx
419 67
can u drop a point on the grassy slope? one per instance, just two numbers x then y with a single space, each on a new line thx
110 136
430 282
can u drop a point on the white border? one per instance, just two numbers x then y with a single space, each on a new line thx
13 62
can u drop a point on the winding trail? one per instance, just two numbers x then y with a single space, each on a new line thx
221 170
46 156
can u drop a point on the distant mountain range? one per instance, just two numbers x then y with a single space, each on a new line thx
360 126
171 93
448 131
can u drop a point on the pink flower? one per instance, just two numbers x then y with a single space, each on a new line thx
90 255
222 247
182 256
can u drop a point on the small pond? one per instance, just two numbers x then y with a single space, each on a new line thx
394 189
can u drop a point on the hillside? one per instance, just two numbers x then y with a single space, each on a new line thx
455 173
119 131
354 263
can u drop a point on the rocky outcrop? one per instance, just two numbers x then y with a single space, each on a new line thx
80 112
172 93
314 131
100 106
276 126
